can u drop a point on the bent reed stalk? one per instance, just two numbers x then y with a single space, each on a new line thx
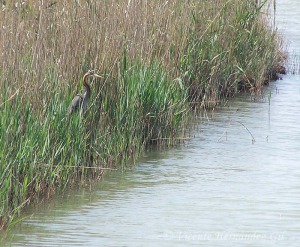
158 59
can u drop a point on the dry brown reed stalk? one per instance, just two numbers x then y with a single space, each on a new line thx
69 37
40 38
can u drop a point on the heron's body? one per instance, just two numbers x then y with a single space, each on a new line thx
80 101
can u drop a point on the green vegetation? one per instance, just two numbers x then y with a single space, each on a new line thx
158 58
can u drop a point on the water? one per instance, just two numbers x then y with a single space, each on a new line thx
222 188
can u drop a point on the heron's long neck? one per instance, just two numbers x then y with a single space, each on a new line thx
86 85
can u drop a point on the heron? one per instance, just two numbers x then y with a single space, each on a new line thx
80 101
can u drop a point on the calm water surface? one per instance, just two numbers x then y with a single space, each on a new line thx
219 189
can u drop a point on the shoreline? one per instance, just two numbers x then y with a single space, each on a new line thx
210 53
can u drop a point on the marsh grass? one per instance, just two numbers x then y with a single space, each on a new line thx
158 59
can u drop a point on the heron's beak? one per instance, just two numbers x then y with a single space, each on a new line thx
98 76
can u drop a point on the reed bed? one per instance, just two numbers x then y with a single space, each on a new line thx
158 59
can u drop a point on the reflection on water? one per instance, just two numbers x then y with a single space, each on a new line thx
287 16
219 189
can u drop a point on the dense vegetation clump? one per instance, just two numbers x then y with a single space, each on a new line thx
158 59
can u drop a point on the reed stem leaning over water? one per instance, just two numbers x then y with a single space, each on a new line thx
156 58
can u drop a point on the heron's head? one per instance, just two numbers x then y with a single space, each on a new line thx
93 73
